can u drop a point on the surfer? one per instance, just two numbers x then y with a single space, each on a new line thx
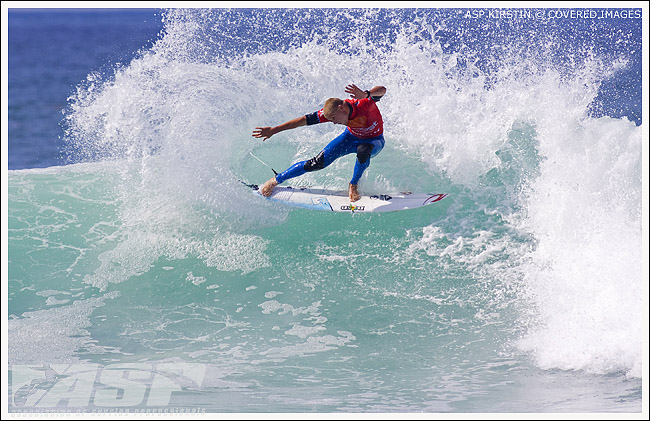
363 136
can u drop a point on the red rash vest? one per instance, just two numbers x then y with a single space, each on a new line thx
364 121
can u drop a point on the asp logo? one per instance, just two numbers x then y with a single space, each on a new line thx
92 386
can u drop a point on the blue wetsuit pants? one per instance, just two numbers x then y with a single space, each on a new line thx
346 143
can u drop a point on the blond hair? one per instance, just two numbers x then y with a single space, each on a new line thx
331 107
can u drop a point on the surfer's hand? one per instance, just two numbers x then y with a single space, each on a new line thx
355 92
263 132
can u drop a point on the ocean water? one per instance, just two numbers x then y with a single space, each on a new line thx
143 276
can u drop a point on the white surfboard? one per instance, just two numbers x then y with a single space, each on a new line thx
338 201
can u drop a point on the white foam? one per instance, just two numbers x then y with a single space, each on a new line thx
196 280
304 331
137 251
55 335
586 275
313 344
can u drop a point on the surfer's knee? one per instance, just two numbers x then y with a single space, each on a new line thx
364 151
316 163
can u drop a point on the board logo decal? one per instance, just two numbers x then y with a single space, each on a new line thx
385 197
435 198
352 208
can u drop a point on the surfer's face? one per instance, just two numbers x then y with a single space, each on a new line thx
341 115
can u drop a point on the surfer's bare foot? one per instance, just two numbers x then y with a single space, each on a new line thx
267 188
354 193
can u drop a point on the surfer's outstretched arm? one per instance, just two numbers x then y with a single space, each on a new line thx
266 132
